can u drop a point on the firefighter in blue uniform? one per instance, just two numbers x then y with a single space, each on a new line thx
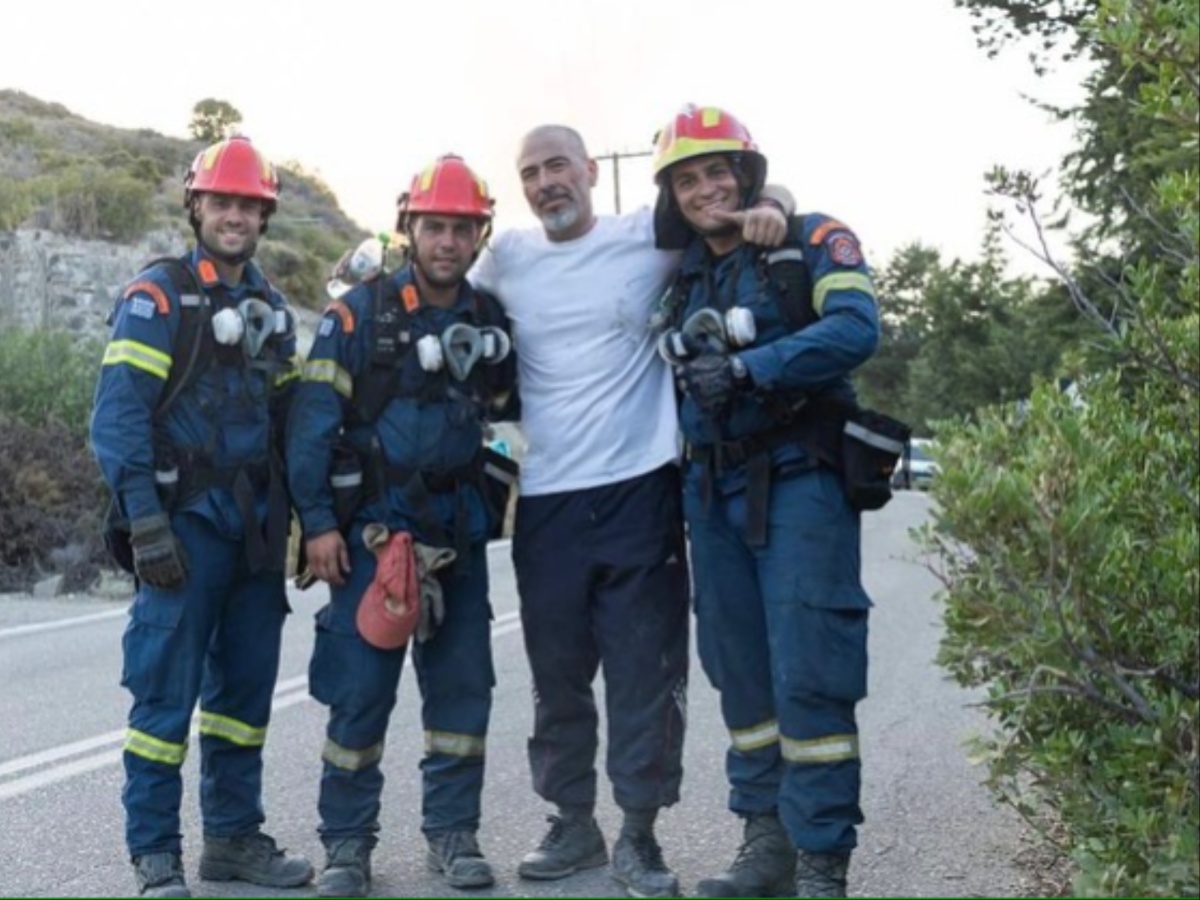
388 428
781 611
190 402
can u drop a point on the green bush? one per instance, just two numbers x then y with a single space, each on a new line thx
1069 532
87 201
48 376
16 205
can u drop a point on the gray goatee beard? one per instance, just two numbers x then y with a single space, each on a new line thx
560 221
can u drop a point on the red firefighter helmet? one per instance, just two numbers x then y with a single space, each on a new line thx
447 187
698 132
232 166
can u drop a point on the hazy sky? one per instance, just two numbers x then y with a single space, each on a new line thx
881 112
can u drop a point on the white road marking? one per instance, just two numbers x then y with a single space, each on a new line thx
102 750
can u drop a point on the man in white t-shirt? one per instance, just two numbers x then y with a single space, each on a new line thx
598 546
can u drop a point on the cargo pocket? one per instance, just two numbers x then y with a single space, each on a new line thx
823 619
155 666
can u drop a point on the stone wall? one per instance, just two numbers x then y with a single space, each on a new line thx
49 280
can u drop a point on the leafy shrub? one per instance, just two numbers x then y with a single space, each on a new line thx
48 376
16 205
52 503
88 201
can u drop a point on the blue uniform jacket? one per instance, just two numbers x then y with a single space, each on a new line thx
432 423
228 414
783 362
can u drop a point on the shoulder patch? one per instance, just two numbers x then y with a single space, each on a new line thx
325 329
342 311
142 307
844 250
825 228
152 290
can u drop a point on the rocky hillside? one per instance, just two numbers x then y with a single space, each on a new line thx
82 207
83 204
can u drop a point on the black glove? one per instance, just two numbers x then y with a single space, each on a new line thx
157 554
712 379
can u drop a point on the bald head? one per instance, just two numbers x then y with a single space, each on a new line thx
564 135
557 178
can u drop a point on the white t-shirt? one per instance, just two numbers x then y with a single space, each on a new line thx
598 403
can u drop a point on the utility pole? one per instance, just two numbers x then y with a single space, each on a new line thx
616 156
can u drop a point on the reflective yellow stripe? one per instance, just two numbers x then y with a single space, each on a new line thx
232 730
351 760
834 748
453 744
149 747
140 356
840 281
291 373
756 737
327 371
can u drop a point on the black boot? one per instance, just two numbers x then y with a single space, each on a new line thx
160 875
821 874
765 865
574 842
347 871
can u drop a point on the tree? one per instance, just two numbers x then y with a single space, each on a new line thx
1067 530
213 120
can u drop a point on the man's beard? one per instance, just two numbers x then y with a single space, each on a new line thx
564 219
233 259
439 282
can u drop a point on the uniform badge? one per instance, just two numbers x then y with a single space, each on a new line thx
844 250
326 327
142 307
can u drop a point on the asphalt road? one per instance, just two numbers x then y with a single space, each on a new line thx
931 828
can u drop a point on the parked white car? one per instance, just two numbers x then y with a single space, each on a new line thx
921 468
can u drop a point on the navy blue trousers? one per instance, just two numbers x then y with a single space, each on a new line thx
358 683
217 640
782 635
602 575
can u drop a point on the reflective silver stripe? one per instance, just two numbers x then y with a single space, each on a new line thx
149 747
834 748
840 281
140 356
327 371
351 760
787 254
453 744
351 479
874 438
756 737
192 300
502 475
232 730
166 476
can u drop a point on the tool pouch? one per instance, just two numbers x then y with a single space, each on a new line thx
872 444
500 475
346 482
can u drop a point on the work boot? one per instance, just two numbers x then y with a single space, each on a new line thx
160 875
254 858
347 871
572 843
821 874
456 855
638 865
765 865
